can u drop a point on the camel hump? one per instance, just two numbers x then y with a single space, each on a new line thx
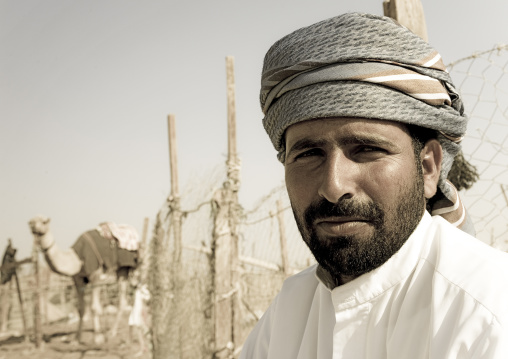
126 235
96 251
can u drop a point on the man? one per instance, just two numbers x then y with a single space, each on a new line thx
367 123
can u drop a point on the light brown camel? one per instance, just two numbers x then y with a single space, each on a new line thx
97 254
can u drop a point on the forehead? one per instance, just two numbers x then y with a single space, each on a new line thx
335 129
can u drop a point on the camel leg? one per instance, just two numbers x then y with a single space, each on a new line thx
96 310
122 300
80 293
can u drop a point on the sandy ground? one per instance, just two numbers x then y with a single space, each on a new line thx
58 343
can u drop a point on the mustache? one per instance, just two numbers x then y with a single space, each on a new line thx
344 208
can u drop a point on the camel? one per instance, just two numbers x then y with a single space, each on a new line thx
96 255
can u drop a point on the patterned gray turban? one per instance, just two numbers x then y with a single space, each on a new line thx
366 66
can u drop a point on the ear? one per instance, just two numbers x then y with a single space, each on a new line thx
431 159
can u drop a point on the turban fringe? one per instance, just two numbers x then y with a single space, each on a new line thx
365 66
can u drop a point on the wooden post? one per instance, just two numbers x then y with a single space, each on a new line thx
176 263
409 13
173 163
230 75
283 242
36 297
221 269
143 251
144 236
234 180
175 196
21 305
234 207
225 238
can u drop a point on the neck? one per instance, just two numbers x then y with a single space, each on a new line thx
46 241
343 279
331 280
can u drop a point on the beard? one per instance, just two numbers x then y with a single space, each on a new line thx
354 255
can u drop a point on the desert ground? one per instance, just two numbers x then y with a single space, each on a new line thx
58 343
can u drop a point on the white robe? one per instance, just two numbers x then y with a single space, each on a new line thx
444 294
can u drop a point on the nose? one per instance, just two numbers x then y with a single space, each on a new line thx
338 178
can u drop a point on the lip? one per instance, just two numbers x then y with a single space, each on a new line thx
342 226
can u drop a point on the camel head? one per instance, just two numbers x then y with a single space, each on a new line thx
39 225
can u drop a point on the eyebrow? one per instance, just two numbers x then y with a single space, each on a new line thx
366 139
363 139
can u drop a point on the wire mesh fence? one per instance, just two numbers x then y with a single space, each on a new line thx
482 78
483 81
183 305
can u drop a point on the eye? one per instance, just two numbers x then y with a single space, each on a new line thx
369 149
368 153
309 153
306 155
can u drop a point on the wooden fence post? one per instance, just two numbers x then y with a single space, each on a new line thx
21 308
175 197
234 209
144 235
36 296
225 239
409 13
176 225
143 252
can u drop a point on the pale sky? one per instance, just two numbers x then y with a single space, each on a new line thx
86 87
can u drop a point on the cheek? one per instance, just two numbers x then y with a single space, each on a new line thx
300 188
385 182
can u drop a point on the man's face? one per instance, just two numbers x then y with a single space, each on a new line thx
356 190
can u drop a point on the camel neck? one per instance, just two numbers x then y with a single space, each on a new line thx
46 241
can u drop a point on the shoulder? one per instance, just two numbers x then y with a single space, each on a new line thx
456 246
301 280
297 292
477 269
283 317
296 296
